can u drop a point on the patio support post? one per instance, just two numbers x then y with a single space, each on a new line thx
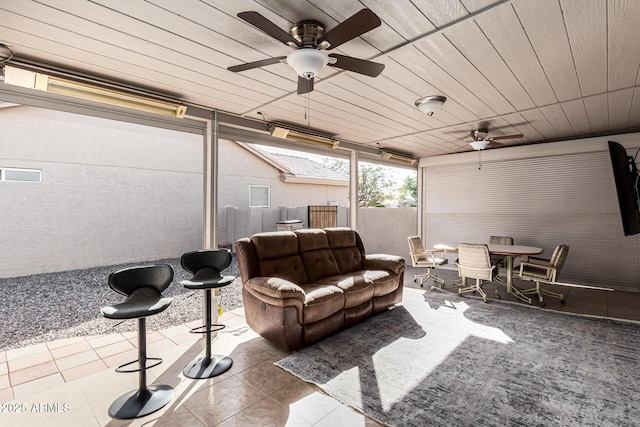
420 203
210 184
353 190
210 196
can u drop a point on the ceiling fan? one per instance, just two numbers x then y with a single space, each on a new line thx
481 140
309 39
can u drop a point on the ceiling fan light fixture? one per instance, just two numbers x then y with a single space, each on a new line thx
479 145
307 62
430 104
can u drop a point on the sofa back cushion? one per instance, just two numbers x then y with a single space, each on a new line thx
278 256
317 256
346 247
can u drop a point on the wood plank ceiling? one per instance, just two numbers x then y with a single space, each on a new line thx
549 69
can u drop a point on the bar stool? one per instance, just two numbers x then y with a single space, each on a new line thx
206 265
142 286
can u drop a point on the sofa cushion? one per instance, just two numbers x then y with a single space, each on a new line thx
348 259
289 268
278 256
319 264
321 301
341 237
312 239
384 282
276 244
356 287
317 258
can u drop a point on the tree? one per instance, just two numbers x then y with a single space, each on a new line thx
373 183
409 189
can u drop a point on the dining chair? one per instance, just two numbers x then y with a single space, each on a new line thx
474 262
499 260
421 257
544 270
499 240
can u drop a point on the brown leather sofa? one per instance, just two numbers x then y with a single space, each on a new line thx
300 286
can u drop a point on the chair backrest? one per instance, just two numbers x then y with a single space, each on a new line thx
500 240
416 249
558 258
127 280
474 261
218 259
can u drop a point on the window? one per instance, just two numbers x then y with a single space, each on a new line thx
20 175
259 196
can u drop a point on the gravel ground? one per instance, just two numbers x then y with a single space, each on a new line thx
48 307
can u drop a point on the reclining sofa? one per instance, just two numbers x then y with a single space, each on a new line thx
301 286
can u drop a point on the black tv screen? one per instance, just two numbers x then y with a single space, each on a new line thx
625 174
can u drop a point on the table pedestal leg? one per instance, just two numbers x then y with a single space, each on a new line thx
510 288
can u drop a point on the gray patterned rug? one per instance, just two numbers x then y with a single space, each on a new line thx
444 360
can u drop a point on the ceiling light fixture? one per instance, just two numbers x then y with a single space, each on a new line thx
479 145
430 104
308 62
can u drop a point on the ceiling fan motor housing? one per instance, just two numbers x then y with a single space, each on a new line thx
480 134
307 33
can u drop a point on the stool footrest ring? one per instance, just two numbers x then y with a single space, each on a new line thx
124 371
214 328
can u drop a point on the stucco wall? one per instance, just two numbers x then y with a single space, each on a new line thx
385 230
111 192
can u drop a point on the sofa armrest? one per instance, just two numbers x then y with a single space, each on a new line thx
275 287
393 263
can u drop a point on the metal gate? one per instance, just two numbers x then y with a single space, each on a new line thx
322 216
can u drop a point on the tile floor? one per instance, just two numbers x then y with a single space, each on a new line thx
71 382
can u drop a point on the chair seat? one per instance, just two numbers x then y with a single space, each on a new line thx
533 273
431 261
207 278
142 302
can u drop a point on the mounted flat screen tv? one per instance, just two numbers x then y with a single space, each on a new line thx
625 174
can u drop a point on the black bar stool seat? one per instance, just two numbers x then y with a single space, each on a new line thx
206 265
143 288
142 302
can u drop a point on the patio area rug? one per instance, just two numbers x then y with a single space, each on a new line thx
444 360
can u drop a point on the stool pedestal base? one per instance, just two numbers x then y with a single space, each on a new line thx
207 367
139 403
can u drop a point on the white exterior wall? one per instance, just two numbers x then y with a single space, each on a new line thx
111 192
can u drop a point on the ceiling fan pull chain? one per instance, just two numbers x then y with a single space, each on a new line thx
307 111
479 159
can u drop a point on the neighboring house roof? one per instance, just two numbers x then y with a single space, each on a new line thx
306 168
297 169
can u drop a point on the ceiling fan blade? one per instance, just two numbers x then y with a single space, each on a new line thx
262 23
494 144
514 136
464 147
352 27
304 85
361 66
256 64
